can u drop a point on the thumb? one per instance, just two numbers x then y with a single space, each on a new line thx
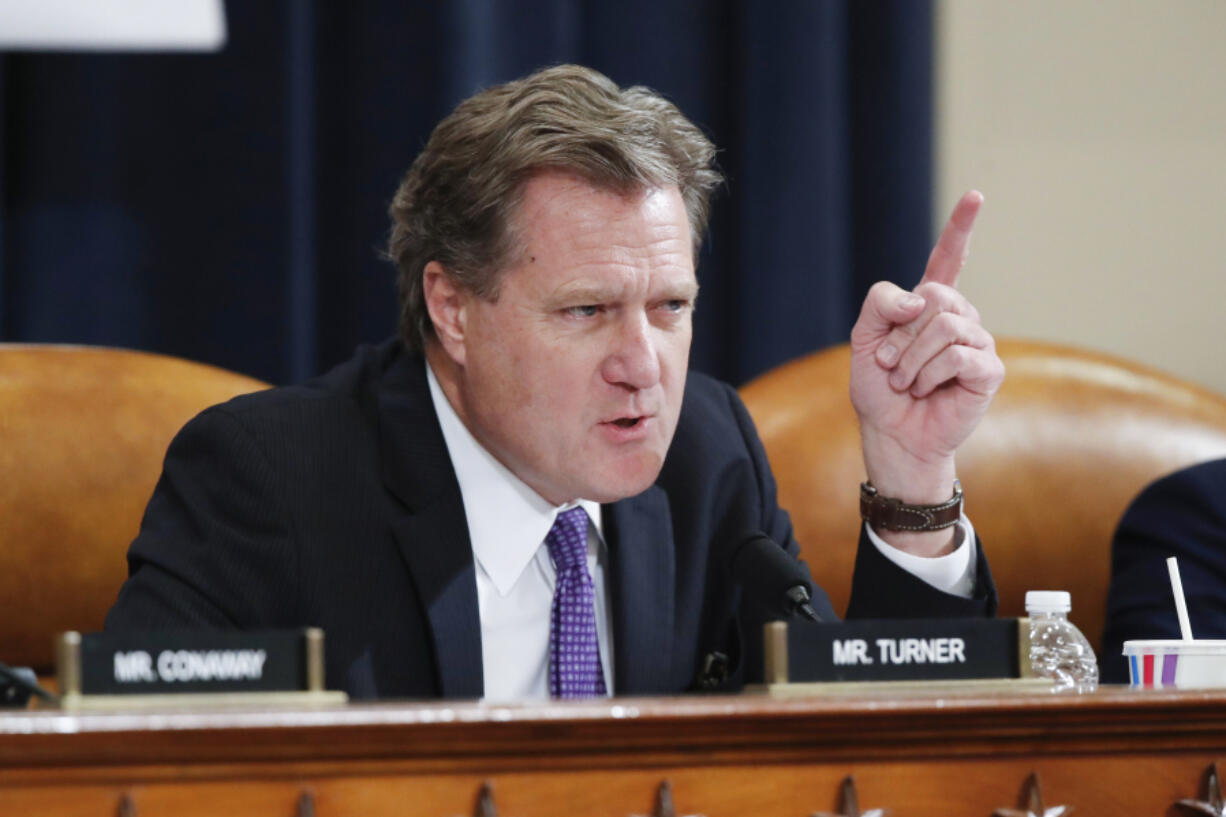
886 306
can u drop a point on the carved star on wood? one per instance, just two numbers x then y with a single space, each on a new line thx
1032 803
849 803
306 805
1212 804
485 801
664 802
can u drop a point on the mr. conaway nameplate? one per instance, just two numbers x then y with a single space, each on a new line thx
209 665
895 650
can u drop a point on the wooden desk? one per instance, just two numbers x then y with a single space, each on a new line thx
937 752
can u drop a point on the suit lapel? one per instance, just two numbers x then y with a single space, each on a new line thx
641 552
432 533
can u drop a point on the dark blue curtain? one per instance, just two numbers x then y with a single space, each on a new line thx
230 207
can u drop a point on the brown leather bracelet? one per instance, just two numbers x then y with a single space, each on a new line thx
886 513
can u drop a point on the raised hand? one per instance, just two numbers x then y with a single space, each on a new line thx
923 371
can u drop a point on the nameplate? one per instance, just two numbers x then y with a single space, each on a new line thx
191 661
893 650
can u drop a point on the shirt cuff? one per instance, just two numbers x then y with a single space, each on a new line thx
952 573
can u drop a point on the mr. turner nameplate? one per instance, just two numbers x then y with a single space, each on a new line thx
893 650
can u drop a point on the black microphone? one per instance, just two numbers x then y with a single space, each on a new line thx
772 577
17 684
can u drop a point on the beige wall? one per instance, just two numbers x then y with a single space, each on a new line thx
1097 133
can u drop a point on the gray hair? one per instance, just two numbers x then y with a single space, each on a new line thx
457 202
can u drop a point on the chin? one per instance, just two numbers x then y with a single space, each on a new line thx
627 479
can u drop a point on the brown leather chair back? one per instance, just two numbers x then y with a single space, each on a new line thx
1070 440
82 435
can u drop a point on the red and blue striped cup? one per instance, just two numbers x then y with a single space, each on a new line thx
1160 664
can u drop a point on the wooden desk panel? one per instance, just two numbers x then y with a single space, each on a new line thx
942 753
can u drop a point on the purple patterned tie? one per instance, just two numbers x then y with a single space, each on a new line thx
574 649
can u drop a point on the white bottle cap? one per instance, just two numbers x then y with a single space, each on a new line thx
1048 601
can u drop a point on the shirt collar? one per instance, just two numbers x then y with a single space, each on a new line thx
507 520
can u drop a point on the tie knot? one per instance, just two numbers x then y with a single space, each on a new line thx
567 540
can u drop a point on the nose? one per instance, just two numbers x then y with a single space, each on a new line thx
633 360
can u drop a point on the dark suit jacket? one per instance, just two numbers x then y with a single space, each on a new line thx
1181 515
334 504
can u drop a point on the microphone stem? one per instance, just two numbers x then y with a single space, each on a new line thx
799 598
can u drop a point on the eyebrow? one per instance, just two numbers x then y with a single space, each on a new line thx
586 292
592 292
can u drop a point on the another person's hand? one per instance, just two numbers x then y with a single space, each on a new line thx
923 371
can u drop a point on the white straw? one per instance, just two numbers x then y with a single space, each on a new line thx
1181 606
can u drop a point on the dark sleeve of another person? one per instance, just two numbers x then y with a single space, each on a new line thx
1181 515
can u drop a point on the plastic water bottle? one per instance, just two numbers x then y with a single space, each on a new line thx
1058 650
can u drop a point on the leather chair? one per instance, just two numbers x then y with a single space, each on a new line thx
1070 440
83 431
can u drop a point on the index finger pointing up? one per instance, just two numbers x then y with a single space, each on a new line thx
949 254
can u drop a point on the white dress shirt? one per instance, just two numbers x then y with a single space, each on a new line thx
507 524
954 572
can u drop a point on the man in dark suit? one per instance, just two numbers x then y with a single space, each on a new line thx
1181 515
526 493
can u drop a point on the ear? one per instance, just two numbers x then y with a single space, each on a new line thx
446 304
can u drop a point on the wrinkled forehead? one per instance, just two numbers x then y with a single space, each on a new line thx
558 196
559 218
564 222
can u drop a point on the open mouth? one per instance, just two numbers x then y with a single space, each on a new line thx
627 422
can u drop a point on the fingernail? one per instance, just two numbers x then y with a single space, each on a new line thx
898 379
911 301
887 354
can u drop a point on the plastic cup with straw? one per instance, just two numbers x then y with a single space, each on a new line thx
1183 662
